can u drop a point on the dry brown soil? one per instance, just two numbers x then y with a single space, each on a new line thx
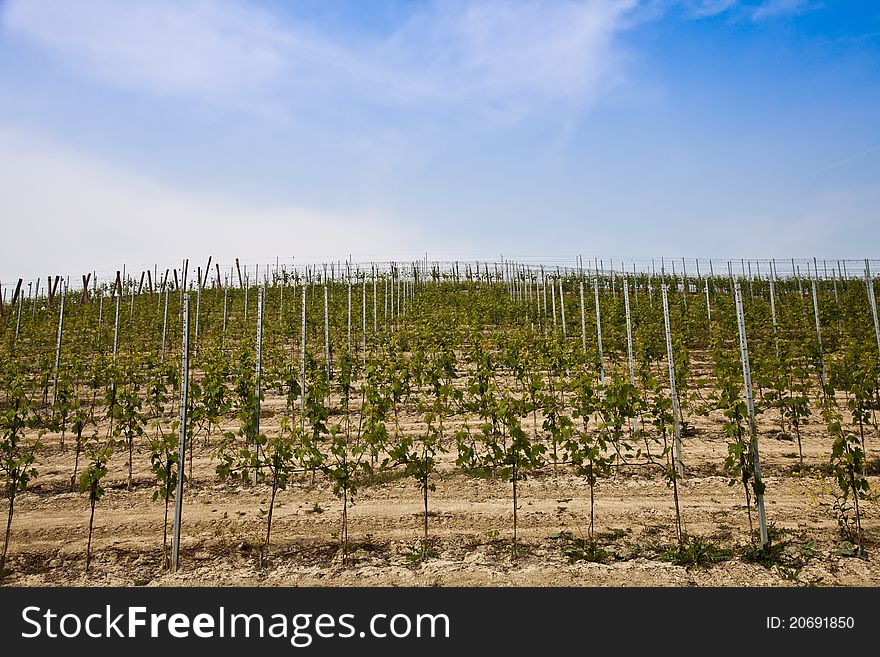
470 526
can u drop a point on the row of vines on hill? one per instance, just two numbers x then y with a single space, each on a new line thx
507 371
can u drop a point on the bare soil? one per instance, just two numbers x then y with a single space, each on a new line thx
470 526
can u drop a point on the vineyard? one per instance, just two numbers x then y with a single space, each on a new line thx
443 424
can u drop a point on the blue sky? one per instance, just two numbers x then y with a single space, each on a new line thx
144 132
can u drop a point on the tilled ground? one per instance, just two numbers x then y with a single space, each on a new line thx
470 528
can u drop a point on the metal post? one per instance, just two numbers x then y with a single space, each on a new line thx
583 320
327 333
116 330
673 392
164 327
684 285
364 317
708 303
751 288
562 310
538 315
225 298
258 371
302 417
773 308
818 331
629 343
58 344
198 309
544 289
613 287
599 332
181 441
750 404
869 283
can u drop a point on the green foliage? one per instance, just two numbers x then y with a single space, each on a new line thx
90 481
475 362
847 463
91 478
587 550
695 551
126 407
586 450
17 450
164 467
740 460
418 454
210 398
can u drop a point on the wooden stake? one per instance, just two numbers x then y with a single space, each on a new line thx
17 292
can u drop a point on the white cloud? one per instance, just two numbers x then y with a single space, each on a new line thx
193 48
774 8
708 8
505 55
65 212
514 52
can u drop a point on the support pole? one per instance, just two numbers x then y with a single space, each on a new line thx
822 374
773 306
116 330
302 415
583 320
562 310
258 371
326 334
225 301
181 442
58 344
869 283
164 327
673 392
750 404
599 332
629 343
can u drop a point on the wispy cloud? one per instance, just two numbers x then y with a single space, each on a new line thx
775 8
164 48
708 8
507 56
513 53
735 10
88 213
